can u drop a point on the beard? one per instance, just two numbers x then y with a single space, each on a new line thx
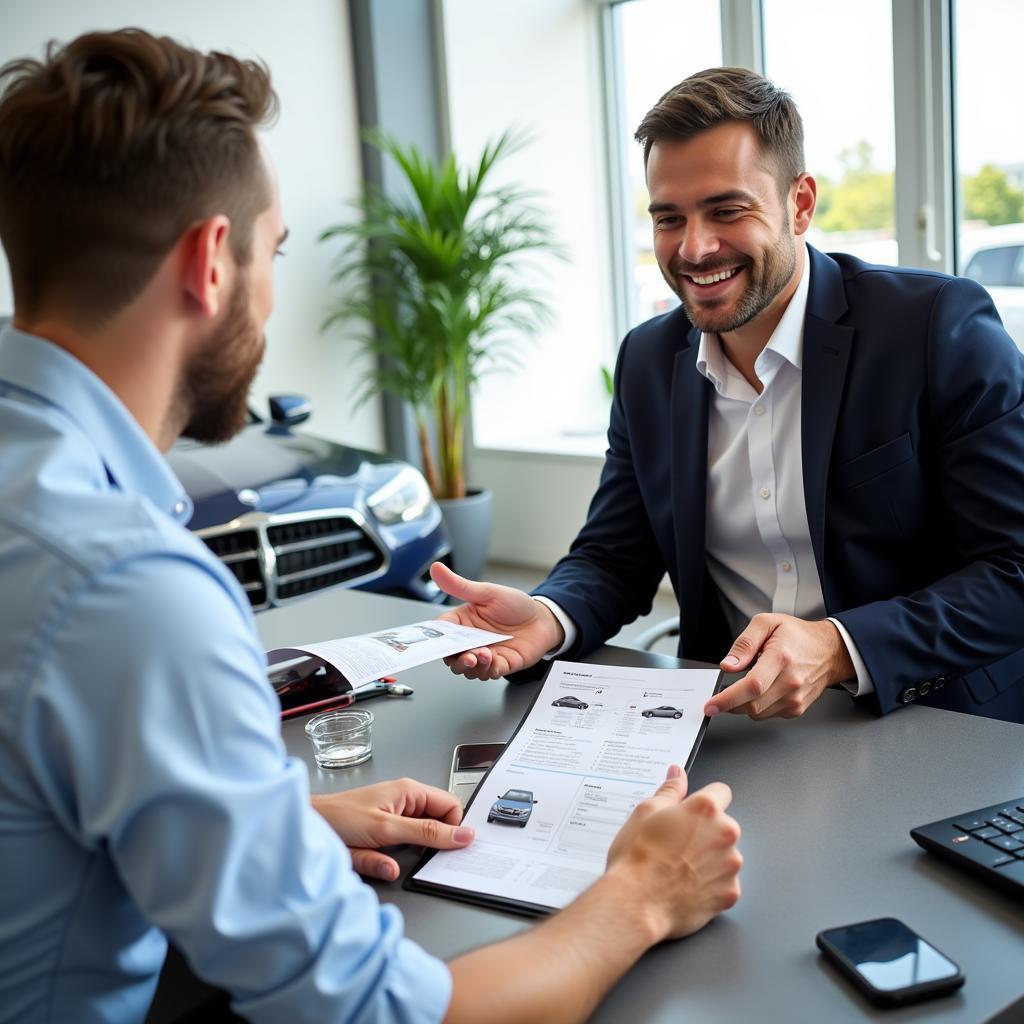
214 391
768 277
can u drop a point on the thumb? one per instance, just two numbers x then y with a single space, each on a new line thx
673 789
429 832
458 586
747 644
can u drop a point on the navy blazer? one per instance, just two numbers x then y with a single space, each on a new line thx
913 463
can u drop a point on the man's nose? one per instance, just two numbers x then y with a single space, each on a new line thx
699 241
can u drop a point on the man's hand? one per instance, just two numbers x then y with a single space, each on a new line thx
534 628
793 662
681 853
389 813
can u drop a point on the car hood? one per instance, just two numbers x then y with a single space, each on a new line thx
275 463
518 805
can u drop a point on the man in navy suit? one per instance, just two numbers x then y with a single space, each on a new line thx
827 457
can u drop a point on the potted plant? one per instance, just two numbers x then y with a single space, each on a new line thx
431 279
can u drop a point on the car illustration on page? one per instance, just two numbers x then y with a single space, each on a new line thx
664 711
570 702
514 808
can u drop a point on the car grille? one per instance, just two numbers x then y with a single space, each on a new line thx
279 558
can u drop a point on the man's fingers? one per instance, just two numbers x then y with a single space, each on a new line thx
745 647
458 586
439 803
374 864
753 685
426 832
715 796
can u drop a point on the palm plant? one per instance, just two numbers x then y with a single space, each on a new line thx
431 280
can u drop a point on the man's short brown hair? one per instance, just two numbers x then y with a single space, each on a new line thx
718 95
110 149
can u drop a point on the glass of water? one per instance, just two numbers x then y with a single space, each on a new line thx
341 739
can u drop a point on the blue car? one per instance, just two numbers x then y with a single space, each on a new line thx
514 808
292 514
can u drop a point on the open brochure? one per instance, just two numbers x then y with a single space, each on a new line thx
597 740
361 659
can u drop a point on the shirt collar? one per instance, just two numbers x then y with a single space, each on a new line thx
787 339
57 378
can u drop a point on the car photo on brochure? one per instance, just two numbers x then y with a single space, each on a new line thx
514 808
665 711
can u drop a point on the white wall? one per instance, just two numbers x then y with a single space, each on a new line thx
537 64
314 145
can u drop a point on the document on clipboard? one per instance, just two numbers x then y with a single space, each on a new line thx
596 741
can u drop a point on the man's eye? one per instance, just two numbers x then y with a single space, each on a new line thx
729 211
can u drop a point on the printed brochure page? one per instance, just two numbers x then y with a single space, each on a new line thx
597 741
361 659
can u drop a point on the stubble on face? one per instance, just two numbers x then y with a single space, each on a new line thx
769 274
215 385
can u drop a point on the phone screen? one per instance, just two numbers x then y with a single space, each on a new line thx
888 955
470 763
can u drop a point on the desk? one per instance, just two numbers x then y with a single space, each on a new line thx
825 803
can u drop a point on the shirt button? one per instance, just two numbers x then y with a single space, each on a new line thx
765 493
786 567
179 507
758 410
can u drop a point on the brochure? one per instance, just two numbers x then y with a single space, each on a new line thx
361 659
597 740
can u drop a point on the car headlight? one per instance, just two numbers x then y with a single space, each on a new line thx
403 498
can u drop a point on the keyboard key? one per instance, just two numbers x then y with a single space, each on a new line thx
988 833
971 824
1005 843
1005 825
1001 861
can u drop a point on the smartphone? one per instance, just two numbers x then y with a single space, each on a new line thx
470 764
889 962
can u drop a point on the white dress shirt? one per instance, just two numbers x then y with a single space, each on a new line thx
758 543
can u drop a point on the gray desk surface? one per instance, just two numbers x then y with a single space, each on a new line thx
825 803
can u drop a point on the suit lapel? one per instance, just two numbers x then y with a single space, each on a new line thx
689 454
826 352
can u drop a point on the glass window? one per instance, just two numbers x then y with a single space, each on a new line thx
837 65
661 42
990 152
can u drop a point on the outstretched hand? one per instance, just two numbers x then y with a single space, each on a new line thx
389 814
534 629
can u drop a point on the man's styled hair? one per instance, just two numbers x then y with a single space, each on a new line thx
110 149
718 95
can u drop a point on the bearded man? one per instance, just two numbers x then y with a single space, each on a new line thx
145 792
827 457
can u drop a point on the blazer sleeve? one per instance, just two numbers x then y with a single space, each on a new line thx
974 616
614 566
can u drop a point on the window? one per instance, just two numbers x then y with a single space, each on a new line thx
656 44
990 153
835 60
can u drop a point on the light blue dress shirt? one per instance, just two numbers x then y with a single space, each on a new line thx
144 786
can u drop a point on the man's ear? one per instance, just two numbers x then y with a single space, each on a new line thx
804 197
206 264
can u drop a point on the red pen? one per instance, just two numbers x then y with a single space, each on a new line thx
341 700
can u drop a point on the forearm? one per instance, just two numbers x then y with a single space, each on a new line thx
560 970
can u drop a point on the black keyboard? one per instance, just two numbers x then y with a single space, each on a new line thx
988 842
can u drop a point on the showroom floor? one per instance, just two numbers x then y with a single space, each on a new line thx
525 578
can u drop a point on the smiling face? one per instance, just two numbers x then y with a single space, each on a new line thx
724 238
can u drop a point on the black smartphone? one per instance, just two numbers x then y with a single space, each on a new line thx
470 763
889 962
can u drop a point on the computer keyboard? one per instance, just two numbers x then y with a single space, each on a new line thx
988 842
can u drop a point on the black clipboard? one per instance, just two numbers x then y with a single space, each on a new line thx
504 903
